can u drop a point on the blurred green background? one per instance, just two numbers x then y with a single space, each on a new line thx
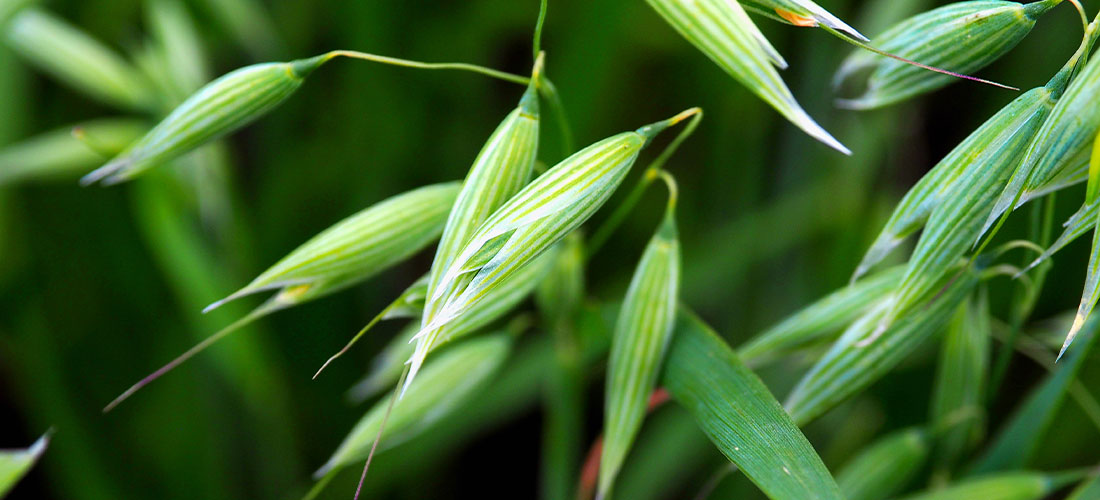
102 286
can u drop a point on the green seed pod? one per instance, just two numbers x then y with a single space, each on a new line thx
448 381
723 32
820 320
59 155
1065 138
501 169
77 59
885 467
1008 486
851 365
220 107
357 247
801 13
531 222
962 37
641 337
956 221
14 464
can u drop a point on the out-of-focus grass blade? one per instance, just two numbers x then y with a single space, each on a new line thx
1064 137
642 334
178 44
1093 188
958 397
886 466
850 367
14 464
1007 486
723 32
1021 436
955 222
801 13
740 416
821 319
58 155
249 22
540 215
962 37
1091 291
1088 490
77 59
448 380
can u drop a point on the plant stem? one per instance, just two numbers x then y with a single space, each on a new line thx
354 54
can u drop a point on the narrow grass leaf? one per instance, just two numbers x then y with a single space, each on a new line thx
451 378
955 222
886 466
500 170
1018 439
532 221
642 334
72 56
1081 222
218 108
177 42
818 321
723 32
849 367
1065 137
958 396
802 13
59 155
740 416
1093 188
962 37
1007 486
14 464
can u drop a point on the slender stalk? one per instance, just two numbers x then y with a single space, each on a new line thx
536 46
1042 222
651 172
474 68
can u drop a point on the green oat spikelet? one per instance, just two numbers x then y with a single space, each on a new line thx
723 32
962 37
801 13
532 221
500 170
218 108
343 255
642 334
448 381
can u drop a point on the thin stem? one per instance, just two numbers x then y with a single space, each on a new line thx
1081 12
385 418
268 307
883 53
357 336
673 190
651 172
354 54
536 46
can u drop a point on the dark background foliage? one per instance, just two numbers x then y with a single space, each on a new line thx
95 295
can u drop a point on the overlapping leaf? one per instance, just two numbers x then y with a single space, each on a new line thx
886 466
642 334
958 397
801 13
740 416
1007 486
